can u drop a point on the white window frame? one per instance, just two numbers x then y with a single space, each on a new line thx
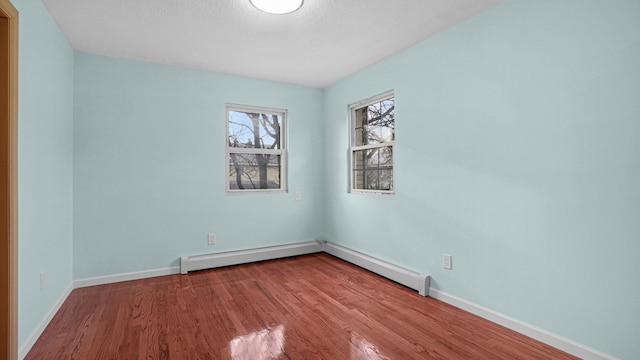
282 151
353 147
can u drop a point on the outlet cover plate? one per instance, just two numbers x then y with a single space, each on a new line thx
446 261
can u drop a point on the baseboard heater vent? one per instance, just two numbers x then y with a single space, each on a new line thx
209 261
408 278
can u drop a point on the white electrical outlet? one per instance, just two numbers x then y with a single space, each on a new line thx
446 261
43 279
298 196
211 239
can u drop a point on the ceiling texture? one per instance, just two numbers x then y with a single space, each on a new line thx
321 43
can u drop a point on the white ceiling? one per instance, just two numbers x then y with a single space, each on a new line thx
321 43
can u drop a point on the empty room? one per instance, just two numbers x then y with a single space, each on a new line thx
337 180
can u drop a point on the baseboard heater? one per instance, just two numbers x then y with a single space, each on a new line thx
209 261
406 277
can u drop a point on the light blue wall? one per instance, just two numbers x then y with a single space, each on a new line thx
518 153
149 166
516 149
45 164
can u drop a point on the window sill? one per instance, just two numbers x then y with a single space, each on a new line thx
372 192
242 192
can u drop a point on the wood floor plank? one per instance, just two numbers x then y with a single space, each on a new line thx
307 307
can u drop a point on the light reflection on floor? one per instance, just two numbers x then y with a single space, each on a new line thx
260 345
361 349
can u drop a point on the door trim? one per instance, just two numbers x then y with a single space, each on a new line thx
9 180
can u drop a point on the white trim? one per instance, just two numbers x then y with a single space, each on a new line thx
373 192
406 277
256 191
353 147
373 99
136 275
549 338
282 151
411 279
35 334
209 261
373 146
256 151
253 108
99 280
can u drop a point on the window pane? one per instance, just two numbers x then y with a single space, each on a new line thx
378 157
381 157
375 123
371 179
373 169
386 180
254 130
358 179
360 125
254 171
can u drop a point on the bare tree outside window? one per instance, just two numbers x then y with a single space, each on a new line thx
255 149
372 139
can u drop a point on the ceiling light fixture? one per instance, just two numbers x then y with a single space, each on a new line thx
278 7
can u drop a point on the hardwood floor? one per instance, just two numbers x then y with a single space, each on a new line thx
307 307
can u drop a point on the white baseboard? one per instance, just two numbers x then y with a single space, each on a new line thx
137 275
408 278
99 280
411 279
209 261
557 341
35 334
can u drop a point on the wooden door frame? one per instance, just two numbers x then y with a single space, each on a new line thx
8 180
